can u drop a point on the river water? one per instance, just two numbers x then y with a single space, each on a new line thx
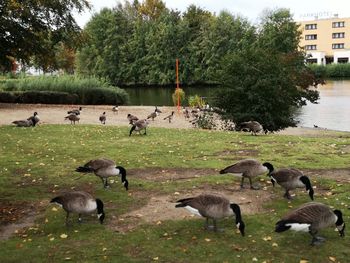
331 112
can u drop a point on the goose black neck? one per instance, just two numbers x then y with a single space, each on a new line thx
239 222
339 215
122 172
269 166
99 204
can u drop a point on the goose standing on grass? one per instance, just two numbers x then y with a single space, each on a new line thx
73 118
153 115
31 121
115 109
170 117
132 118
103 118
139 126
79 202
312 217
253 126
104 168
249 168
212 206
290 179
76 111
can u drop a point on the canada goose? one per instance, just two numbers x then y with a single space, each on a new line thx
212 206
153 115
253 126
73 118
139 126
104 168
170 117
79 202
115 109
289 179
157 110
186 113
132 118
31 121
312 217
76 111
248 168
103 118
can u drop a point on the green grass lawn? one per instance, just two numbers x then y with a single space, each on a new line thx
37 163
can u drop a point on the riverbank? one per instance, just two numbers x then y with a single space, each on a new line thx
54 114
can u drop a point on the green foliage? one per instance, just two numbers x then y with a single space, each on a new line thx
35 26
178 96
36 166
267 80
196 101
87 90
331 70
47 97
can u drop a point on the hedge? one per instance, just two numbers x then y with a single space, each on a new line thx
32 97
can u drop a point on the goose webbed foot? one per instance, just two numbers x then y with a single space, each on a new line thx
317 241
256 187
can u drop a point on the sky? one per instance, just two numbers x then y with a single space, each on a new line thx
251 9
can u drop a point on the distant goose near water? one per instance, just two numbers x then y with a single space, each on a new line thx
290 179
76 111
115 109
253 126
212 206
103 118
170 117
31 121
104 168
139 126
79 202
312 217
249 168
73 118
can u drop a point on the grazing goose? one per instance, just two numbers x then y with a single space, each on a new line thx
253 126
312 217
139 126
132 118
213 207
79 202
115 109
153 115
104 168
73 118
170 117
248 168
76 111
103 118
31 121
186 113
289 179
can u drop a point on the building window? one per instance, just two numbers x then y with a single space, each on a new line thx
338 24
310 47
343 60
310 26
312 60
338 46
310 37
338 35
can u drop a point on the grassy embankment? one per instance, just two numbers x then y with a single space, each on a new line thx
37 163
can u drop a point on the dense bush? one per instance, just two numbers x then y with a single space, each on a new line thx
331 70
48 97
52 89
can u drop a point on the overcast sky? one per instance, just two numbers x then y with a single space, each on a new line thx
251 9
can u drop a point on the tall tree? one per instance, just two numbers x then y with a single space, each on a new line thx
267 80
26 25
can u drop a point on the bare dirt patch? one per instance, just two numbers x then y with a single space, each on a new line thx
339 175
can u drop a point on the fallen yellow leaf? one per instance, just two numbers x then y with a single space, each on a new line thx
303 261
54 209
63 236
333 259
268 238
207 239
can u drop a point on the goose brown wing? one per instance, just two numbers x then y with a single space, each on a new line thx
99 163
286 175
242 166
308 213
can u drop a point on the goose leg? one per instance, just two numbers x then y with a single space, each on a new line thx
315 239
67 217
287 195
79 218
242 186
252 186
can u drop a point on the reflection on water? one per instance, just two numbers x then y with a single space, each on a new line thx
333 107
331 112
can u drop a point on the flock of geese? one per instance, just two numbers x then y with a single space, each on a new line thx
309 217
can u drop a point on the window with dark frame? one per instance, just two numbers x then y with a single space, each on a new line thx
310 47
338 46
338 24
338 35
311 37
310 26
